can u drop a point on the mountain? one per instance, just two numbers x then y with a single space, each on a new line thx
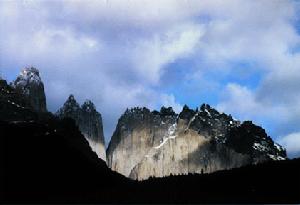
89 122
164 143
30 84
58 166
14 105
49 161
45 159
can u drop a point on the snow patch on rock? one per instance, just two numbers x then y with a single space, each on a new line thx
278 147
276 157
170 135
27 76
259 147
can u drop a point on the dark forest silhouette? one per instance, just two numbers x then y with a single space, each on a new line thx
52 162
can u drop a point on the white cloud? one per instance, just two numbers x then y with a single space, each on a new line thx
150 56
238 99
292 144
115 52
169 101
243 103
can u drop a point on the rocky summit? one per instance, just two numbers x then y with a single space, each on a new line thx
30 84
89 122
157 144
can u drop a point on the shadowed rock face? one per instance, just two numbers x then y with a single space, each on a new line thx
159 144
14 105
30 84
89 122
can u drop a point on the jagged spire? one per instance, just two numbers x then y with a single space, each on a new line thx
71 97
30 84
186 112
71 101
88 120
30 70
28 75
185 107
70 108
167 111
88 105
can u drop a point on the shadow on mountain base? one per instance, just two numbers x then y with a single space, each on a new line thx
51 162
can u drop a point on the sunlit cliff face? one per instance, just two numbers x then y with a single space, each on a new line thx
162 143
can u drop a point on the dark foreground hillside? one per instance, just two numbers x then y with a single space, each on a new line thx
49 161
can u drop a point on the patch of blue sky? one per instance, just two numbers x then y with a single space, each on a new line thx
295 49
203 18
296 20
179 81
245 73
9 69
193 88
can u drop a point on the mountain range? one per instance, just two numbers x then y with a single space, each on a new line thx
162 143
50 158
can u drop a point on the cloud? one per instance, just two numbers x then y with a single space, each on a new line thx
121 53
292 144
246 104
242 101
150 56
169 100
239 100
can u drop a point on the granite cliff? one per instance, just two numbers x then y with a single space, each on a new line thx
89 122
30 84
164 143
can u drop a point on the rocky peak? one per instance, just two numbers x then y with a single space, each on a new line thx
136 111
88 120
207 121
30 84
71 98
167 111
28 75
161 143
88 106
205 106
71 104
70 109
251 139
186 113
3 83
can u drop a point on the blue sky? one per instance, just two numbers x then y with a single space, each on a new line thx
240 56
